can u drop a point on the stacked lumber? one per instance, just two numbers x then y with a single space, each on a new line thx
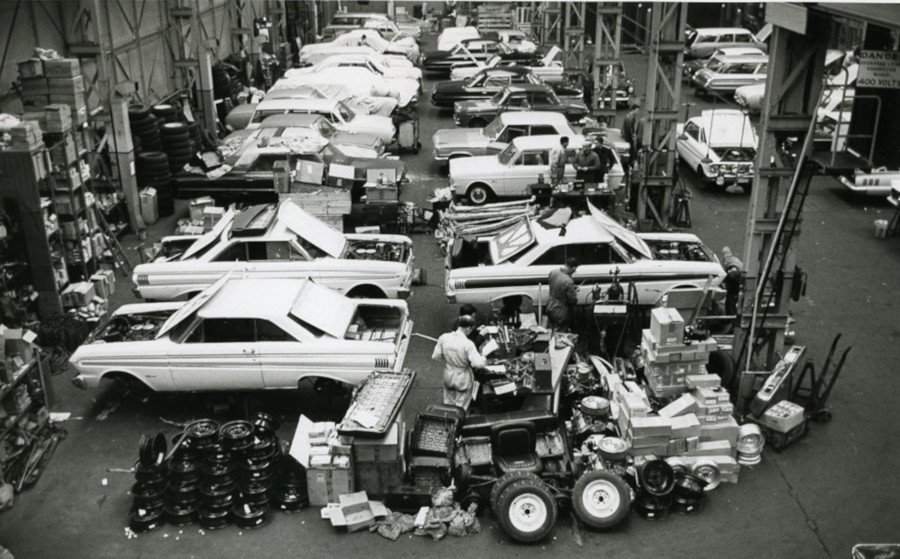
485 220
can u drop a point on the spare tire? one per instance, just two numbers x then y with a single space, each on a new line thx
527 510
601 499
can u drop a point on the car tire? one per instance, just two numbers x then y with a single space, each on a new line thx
601 499
704 184
722 364
479 194
502 483
527 510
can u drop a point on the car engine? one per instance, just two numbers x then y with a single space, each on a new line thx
124 328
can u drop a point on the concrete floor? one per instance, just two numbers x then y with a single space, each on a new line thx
828 492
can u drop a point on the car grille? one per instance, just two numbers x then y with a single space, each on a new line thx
143 279
382 363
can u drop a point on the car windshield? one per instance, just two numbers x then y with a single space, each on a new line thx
507 154
717 66
497 99
493 129
346 112
495 60
324 128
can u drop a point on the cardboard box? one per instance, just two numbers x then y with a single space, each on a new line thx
79 294
65 86
684 405
198 205
711 396
713 448
149 207
31 68
62 68
727 431
783 416
651 426
328 476
703 381
385 449
666 326
685 426
212 215
20 341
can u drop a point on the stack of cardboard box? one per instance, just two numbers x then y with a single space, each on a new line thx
327 458
82 300
668 360
26 136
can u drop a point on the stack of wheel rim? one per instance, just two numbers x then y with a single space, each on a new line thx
177 144
688 496
148 492
656 481
153 171
750 445
182 489
257 451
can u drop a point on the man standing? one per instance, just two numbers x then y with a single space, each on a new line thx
460 358
587 165
633 129
733 268
563 296
558 159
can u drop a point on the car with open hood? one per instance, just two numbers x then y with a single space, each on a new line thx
528 97
490 81
703 41
312 53
518 260
451 143
471 52
451 36
387 67
246 334
720 146
521 163
278 241
549 67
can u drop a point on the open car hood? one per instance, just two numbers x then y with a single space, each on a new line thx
325 309
550 56
211 237
511 242
323 236
192 305
622 234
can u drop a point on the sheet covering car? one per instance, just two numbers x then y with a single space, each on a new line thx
719 145
279 241
518 261
246 334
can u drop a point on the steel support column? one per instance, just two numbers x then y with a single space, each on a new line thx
657 157
607 57
574 33
551 23
795 79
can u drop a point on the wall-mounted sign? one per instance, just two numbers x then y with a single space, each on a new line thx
879 69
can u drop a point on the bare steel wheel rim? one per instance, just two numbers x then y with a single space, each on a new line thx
601 498
527 513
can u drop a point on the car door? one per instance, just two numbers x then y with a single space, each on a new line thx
493 84
541 101
524 170
276 259
517 101
689 144
216 354
283 358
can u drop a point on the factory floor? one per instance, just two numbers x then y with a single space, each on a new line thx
833 489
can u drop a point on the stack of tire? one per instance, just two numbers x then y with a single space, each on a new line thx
144 129
656 482
148 492
153 170
178 145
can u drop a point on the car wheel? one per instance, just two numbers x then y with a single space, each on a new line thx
479 194
477 123
601 499
502 483
704 184
722 364
527 510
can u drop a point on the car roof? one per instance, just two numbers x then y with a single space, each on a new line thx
528 117
743 59
545 141
721 30
361 14
506 69
584 228
253 298
740 51
285 104
528 87
709 115
299 120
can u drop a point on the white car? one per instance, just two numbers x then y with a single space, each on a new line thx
751 96
550 68
701 42
386 67
287 128
279 241
359 81
247 334
877 182
725 74
362 104
517 39
509 173
337 113
451 143
391 31
451 36
518 261
364 38
720 145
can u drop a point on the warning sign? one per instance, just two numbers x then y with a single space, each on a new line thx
879 68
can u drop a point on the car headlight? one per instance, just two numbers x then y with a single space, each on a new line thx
714 168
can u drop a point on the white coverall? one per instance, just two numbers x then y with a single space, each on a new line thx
460 356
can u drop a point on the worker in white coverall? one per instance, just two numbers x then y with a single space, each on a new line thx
460 358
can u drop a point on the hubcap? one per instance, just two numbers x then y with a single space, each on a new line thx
478 195
527 513
600 498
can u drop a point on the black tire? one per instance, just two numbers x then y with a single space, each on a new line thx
704 184
462 477
657 477
721 363
143 127
138 112
152 158
527 510
479 194
173 129
503 482
601 499
473 497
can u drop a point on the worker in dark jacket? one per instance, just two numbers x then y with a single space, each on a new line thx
563 296
633 129
587 164
733 270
